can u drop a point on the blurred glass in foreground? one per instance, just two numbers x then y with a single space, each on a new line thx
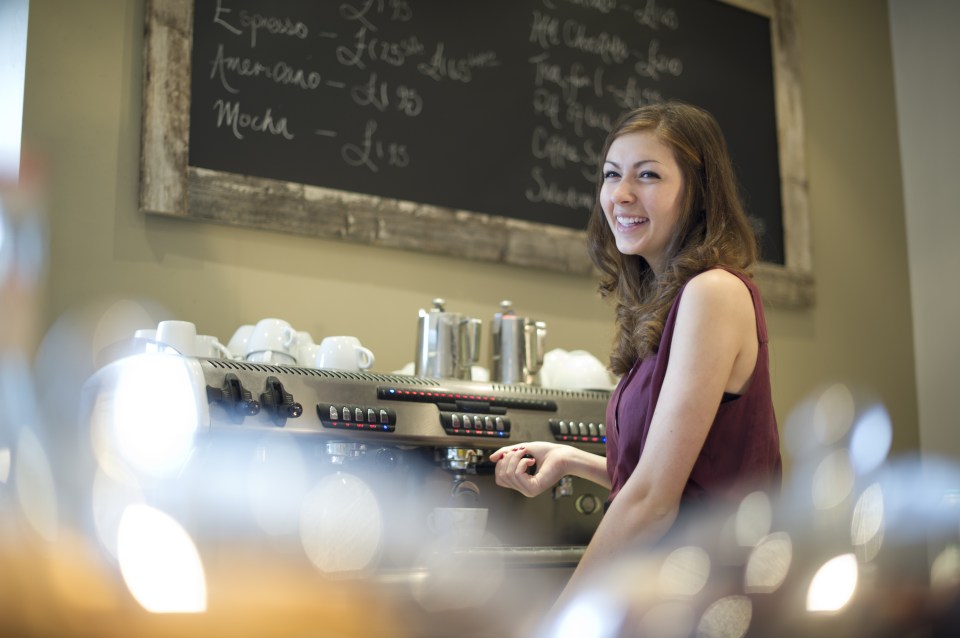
858 545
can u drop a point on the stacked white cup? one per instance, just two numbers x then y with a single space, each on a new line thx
272 341
181 337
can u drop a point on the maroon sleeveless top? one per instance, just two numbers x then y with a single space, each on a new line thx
742 449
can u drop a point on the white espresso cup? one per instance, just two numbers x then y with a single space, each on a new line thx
238 342
179 335
463 525
307 350
343 353
210 347
272 341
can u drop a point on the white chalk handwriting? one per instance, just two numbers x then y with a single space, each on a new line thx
370 151
254 22
377 94
550 31
366 50
398 10
279 72
550 192
459 69
229 115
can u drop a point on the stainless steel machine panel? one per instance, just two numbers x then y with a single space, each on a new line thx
399 409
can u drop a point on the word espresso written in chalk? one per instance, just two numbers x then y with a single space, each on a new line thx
254 22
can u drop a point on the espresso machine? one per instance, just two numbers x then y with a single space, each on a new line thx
353 466
418 442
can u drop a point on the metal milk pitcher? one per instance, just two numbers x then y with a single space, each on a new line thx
517 347
448 344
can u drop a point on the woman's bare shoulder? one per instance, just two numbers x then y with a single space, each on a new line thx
717 284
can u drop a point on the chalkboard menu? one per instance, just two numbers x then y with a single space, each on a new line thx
497 107
464 129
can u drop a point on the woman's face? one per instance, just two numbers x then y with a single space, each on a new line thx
640 196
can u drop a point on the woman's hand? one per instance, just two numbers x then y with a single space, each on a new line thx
530 468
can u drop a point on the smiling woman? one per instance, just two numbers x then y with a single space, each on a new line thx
691 422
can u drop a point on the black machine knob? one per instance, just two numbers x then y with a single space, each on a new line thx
237 400
279 403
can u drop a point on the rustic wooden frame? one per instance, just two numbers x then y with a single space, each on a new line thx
169 186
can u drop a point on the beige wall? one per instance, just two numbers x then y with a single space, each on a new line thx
926 44
82 105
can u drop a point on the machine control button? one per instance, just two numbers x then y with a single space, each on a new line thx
577 432
587 504
279 403
236 399
475 425
357 417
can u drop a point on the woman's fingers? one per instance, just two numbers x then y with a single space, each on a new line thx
496 456
512 471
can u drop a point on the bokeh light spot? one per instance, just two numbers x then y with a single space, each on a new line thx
871 439
685 571
155 413
866 525
728 617
159 562
769 564
340 524
833 585
945 570
753 519
833 414
833 480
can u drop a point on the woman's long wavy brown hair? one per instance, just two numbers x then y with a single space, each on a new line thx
712 229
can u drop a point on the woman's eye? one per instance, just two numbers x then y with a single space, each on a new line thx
649 175
610 174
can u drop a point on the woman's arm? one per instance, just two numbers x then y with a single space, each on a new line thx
714 336
553 461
